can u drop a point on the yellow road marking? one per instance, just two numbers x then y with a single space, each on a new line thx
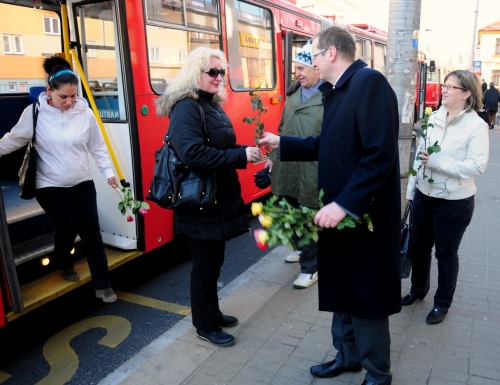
4 376
153 303
62 358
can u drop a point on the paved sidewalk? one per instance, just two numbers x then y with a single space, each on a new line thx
281 333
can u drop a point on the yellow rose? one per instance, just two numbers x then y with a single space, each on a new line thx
256 208
428 111
265 220
262 237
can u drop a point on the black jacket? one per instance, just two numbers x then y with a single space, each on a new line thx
227 219
491 99
358 168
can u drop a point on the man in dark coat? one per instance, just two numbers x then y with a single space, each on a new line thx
358 170
491 98
484 86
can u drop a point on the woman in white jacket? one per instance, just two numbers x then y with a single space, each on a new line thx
66 132
443 189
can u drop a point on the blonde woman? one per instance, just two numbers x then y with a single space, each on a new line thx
200 82
443 209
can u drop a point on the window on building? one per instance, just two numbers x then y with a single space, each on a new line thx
154 54
13 44
51 25
497 48
182 55
90 51
12 87
495 77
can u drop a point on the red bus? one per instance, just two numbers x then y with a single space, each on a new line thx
129 50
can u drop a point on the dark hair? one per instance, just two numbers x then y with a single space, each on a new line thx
340 38
55 64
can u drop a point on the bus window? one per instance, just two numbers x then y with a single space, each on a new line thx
432 76
168 45
379 57
199 13
101 60
364 51
250 46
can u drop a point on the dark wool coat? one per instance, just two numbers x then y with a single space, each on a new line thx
227 219
491 98
358 168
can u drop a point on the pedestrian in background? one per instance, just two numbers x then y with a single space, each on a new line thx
200 83
443 209
491 98
484 86
302 116
66 132
358 170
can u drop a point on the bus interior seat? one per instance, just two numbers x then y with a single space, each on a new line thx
94 86
110 86
35 92
11 109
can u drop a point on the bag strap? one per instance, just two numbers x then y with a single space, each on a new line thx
36 109
166 139
407 212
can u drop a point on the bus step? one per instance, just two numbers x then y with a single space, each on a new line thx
35 248
23 216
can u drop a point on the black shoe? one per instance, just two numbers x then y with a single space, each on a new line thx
218 337
226 321
492 126
376 383
332 369
436 316
409 298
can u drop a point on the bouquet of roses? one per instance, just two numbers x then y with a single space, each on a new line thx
290 226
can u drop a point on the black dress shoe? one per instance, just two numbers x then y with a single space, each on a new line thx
376 383
332 369
226 321
409 298
217 337
436 316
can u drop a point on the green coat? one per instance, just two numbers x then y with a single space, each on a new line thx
298 179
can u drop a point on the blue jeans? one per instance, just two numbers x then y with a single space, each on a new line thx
440 223
73 210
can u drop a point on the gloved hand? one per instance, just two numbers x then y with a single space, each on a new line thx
262 178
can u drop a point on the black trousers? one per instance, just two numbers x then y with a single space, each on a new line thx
440 223
73 210
208 258
309 253
365 342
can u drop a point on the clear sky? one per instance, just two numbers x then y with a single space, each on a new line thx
451 25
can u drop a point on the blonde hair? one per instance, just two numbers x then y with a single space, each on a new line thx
470 81
188 77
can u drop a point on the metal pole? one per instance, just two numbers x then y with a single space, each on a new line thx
474 37
402 58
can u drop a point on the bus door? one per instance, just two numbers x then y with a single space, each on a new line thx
292 44
96 29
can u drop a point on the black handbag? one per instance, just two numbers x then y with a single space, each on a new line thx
178 186
405 256
27 172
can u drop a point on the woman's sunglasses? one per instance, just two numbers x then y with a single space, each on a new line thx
214 72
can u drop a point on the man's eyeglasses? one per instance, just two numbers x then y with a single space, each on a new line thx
449 87
215 72
314 54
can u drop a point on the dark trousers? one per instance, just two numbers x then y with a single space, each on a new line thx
440 223
73 210
208 258
492 115
309 253
365 342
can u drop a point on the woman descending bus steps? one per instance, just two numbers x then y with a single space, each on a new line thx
66 131
192 102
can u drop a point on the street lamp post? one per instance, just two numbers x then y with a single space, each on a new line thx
474 37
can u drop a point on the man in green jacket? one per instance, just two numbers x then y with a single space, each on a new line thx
298 181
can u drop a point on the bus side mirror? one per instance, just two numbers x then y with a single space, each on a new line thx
432 66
